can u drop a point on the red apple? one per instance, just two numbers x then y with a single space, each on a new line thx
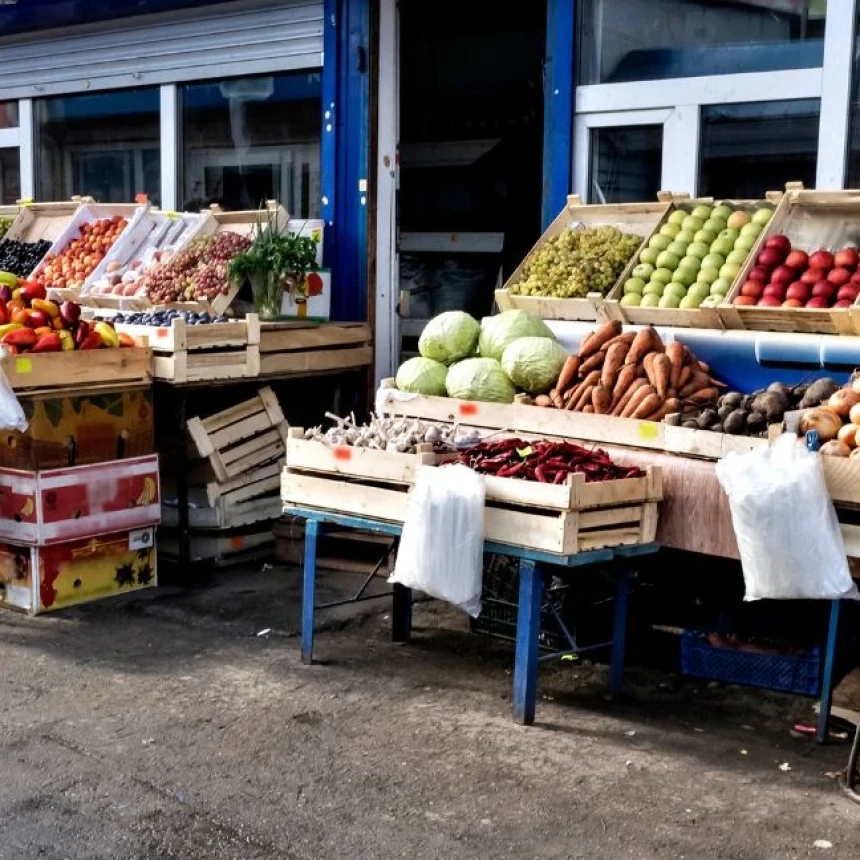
743 300
843 303
792 303
770 302
782 275
752 288
817 302
849 292
855 278
797 259
779 243
847 258
813 276
840 277
769 258
776 290
824 290
798 291
821 260
760 273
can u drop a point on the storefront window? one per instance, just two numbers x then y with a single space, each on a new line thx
852 170
748 149
628 40
107 146
247 140
8 114
10 176
626 164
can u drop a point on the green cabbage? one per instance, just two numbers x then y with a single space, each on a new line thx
422 376
449 337
503 329
480 379
534 363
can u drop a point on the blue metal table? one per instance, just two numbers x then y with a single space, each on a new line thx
531 564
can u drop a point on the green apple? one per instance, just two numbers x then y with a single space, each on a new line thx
720 287
691 301
729 233
644 271
715 225
722 246
699 250
738 256
713 261
737 219
751 229
763 215
662 276
630 300
730 271
649 256
685 236
675 289
650 301
660 242
691 222
702 212
700 289
634 285
679 249
709 302
745 243
708 274
690 262
677 217
668 260
722 212
705 236
670 230
653 288
669 301
684 277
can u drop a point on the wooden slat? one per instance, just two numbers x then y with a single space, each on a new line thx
240 487
378 503
528 493
630 515
256 443
58 370
280 337
315 361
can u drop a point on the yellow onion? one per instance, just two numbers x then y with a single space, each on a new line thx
834 448
842 401
822 419
847 435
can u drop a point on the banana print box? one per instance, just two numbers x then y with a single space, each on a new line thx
43 579
56 505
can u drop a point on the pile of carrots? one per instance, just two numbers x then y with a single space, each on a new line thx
632 375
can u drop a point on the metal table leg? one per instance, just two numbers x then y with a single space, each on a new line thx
182 483
308 595
619 628
528 635
401 613
827 679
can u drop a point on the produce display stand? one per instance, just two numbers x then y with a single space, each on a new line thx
639 219
35 221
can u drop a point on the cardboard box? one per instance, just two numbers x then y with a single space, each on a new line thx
70 430
56 505
311 299
44 579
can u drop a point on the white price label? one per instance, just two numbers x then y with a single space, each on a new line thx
141 539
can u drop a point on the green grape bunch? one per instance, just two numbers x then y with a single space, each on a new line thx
5 224
577 262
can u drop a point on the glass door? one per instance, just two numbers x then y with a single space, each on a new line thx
10 159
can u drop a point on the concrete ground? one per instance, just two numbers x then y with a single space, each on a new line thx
164 726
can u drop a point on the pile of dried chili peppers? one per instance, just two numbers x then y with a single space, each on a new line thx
545 462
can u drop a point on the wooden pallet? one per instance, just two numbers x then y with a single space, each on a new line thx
301 347
224 515
242 438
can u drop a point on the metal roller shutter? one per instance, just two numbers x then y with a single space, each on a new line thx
225 40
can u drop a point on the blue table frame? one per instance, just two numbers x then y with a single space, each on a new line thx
532 564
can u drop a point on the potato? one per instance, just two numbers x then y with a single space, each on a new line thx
736 423
818 392
706 419
772 404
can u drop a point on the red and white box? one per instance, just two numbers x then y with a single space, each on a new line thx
56 505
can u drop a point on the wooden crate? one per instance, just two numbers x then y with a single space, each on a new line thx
183 368
36 221
301 347
706 445
679 317
225 515
241 438
80 370
638 218
810 219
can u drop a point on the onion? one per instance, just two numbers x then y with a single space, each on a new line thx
822 419
855 385
842 401
835 449
848 435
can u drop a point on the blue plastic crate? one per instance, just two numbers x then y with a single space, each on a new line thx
799 673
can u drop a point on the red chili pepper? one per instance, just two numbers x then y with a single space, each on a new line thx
540 474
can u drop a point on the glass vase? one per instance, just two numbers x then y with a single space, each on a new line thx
268 290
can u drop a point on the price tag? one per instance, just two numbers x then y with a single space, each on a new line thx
141 199
25 201
468 409
23 365
237 542
140 539
342 452
647 430
171 216
525 452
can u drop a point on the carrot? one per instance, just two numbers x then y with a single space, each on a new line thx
626 397
599 337
543 400
633 404
648 366
651 403
556 399
703 395
583 398
568 373
622 383
601 397
592 378
716 383
704 367
627 338
677 353
570 396
669 406
588 408
591 362
662 370
697 381
645 341
613 363
683 377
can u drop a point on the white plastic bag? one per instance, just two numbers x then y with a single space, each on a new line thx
11 414
789 538
442 547
387 396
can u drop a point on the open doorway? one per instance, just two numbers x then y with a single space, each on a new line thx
471 152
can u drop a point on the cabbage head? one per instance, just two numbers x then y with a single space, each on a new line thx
422 376
503 329
480 379
534 363
449 337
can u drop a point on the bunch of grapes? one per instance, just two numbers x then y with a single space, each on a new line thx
5 224
196 273
577 262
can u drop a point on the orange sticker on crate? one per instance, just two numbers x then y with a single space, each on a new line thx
468 408
237 542
342 452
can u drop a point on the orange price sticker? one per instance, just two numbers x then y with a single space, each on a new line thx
342 452
468 408
237 542
162 332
